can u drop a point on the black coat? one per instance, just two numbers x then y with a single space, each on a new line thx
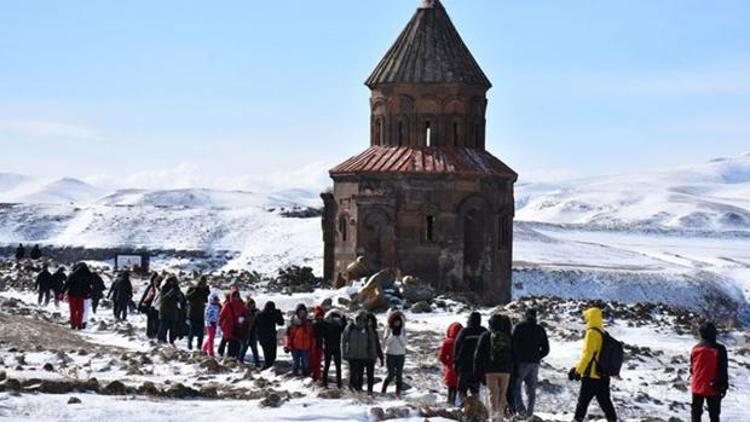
483 362
36 253
171 302
97 286
79 282
331 333
197 297
121 291
20 252
44 281
58 281
530 344
464 348
266 322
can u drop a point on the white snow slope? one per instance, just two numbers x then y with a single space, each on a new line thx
713 196
679 236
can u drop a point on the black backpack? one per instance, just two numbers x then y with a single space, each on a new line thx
611 356
501 348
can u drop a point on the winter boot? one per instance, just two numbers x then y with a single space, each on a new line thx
385 387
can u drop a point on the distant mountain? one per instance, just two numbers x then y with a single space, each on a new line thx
713 196
27 190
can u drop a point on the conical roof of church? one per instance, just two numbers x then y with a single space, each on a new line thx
429 50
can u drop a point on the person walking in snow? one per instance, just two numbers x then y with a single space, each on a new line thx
333 327
493 363
120 293
44 286
530 346
20 252
372 323
250 338
212 321
316 354
171 301
145 305
463 356
267 321
394 345
445 356
709 374
97 290
299 340
358 349
197 297
78 289
36 253
59 278
592 383
233 322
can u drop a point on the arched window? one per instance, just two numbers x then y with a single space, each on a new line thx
400 133
430 228
379 132
343 227
428 133
455 134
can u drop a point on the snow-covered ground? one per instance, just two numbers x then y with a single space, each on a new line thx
653 384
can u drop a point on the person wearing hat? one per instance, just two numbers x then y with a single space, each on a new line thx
530 346
211 319
299 341
709 374
316 356
43 284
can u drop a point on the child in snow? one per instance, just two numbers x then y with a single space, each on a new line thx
212 319
445 355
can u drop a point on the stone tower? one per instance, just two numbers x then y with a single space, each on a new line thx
426 198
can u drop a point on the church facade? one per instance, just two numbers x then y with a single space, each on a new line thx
426 199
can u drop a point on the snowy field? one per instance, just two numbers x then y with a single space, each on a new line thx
653 384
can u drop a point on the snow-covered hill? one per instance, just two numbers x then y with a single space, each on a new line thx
714 196
679 236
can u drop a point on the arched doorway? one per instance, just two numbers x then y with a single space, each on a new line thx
377 239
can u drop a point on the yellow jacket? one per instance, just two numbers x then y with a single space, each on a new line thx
592 343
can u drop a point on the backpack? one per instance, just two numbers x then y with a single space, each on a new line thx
611 356
501 349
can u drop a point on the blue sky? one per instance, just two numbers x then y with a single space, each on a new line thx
217 93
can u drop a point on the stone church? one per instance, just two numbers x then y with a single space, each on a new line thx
426 198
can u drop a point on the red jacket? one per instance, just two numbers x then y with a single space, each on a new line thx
446 355
299 336
232 318
708 367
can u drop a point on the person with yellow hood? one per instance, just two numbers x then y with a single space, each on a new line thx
592 383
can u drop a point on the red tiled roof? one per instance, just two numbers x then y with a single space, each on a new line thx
446 160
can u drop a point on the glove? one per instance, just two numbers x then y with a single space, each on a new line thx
573 375
286 350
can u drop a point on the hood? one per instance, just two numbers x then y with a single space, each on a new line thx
475 320
499 323
394 316
708 332
319 312
269 306
453 330
361 319
594 318
335 315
